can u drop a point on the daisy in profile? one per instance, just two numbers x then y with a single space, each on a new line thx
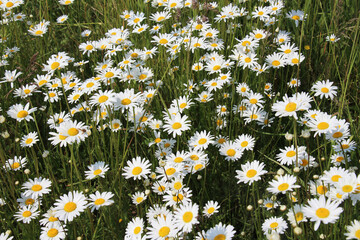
175 125
53 232
29 140
20 112
283 184
62 19
210 208
345 146
49 218
25 91
16 163
97 169
66 2
37 187
220 231
288 155
296 15
70 206
5 236
274 224
269 204
135 228
186 216
162 228
39 29
324 89
27 213
137 168
296 215
28 201
98 200
353 230
250 172
322 211
332 38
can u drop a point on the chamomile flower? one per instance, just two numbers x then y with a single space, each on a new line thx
322 211
250 172
201 140
322 123
49 218
25 91
37 187
290 155
245 142
28 200
73 131
70 205
137 168
27 213
29 140
276 60
283 184
98 200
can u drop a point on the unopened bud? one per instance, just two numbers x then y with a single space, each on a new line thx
298 231
249 208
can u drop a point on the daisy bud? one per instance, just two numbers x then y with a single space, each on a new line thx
79 238
260 201
8 232
88 132
276 177
81 70
16 182
45 154
86 190
315 164
297 231
69 161
249 208
277 29
307 47
316 177
162 163
280 172
147 191
199 177
153 175
289 136
322 159
146 182
173 192
17 139
294 225
282 208
293 193
27 171
273 198
296 169
242 233
273 236
2 119
5 134
322 236
305 133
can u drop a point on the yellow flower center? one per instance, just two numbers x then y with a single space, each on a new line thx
136 170
178 198
211 210
202 141
70 206
26 214
99 201
187 217
125 101
73 132
253 101
324 90
55 65
283 187
251 173
52 232
164 231
322 212
103 99
231 152
220 237
274 225
291 153
216 67
15 165
296 17
247 60
29 201
38 32
109 74
337 135
176 125
258 35
275 63
170 171
97 171
299 216
53 219
36 187
22 114
347 188
137 230
321 189
335 178
163 41
323 126
290 107
89 47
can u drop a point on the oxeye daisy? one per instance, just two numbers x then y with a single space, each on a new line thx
162 228
180 197
201 140
345 146
5 236
347 184
70 206
324 89
276 224
231 151
322 211
103 99
28 201
20 112
16 163
220 231
353 230
62 19
276 60
175 125
98 200
322 123
283 184
250 172
97 169
210 208
290 155
186 216
73 131
29 140
332 38
53 232
138 198
49 218
37 187
27 213
245 142
269 204
135 228
296 215
137 168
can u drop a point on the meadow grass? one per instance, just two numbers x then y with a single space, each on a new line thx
241 204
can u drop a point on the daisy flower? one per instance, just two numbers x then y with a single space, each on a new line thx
49 218
176 124
277 224
210 208
322 123
28 201
245 142
20 112
296 15
250 172
324 89
353 230
283 184
288 155
137 168
135 228
103 99
220 231
231 151
138 198
53 232
29 140
186 216
162 228
5 236
332 38
180 197
37 187
345 146
98 200
294 82
296 215
25 91
62 19
16 163
322 211
39 29
73 131
27 213
97 169
275 60
70 206
201 140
